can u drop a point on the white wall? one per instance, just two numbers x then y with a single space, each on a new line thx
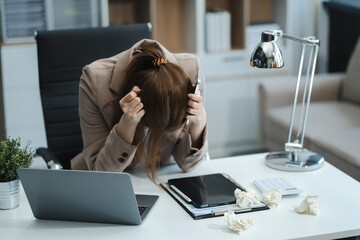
22 105
2 120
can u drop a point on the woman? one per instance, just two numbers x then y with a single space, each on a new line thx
133 108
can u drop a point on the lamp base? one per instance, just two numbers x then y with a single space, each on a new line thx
301 161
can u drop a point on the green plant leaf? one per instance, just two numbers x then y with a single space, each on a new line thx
12 157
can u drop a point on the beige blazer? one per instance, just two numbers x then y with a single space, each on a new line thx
103 149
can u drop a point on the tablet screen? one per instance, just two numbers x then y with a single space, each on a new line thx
207 190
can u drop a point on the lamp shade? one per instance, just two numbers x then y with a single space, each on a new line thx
267 55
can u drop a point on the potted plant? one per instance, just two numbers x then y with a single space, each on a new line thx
12 157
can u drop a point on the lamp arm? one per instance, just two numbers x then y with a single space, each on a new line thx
296 95
314 58
307 41
297 145
302 114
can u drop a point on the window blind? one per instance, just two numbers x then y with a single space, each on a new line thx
21 18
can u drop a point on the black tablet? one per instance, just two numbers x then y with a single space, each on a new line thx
206 190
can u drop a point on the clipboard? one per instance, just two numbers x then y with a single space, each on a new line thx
211 211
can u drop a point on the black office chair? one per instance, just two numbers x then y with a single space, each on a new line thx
61 56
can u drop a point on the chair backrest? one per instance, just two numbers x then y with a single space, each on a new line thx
61 56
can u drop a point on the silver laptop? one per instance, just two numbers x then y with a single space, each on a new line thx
86 196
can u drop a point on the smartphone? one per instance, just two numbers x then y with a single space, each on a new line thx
197 89
198 82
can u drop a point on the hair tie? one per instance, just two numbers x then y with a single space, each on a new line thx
159 61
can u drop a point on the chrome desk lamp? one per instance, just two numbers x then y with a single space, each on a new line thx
268 55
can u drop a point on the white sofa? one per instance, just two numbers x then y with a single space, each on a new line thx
333 126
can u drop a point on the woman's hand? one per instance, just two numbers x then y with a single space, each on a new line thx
197 115
131 106
132 113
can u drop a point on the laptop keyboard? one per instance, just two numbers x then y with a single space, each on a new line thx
142 209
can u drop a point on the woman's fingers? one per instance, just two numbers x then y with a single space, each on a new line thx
131 95
140 113
131 105
195 111
195 100
136 89
128 106
195 97
193 104
136 109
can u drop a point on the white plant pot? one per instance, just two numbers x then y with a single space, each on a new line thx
9 195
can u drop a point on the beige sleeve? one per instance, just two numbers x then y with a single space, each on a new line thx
103 149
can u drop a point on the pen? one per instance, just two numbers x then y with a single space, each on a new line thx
197 89
234 209
236 183
186 198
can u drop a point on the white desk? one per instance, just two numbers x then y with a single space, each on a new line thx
339 215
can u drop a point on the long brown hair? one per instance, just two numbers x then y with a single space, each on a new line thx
164 94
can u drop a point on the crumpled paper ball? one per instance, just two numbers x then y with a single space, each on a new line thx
237 225
246 199
309 205
272 197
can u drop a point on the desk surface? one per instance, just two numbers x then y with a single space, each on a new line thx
339 205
